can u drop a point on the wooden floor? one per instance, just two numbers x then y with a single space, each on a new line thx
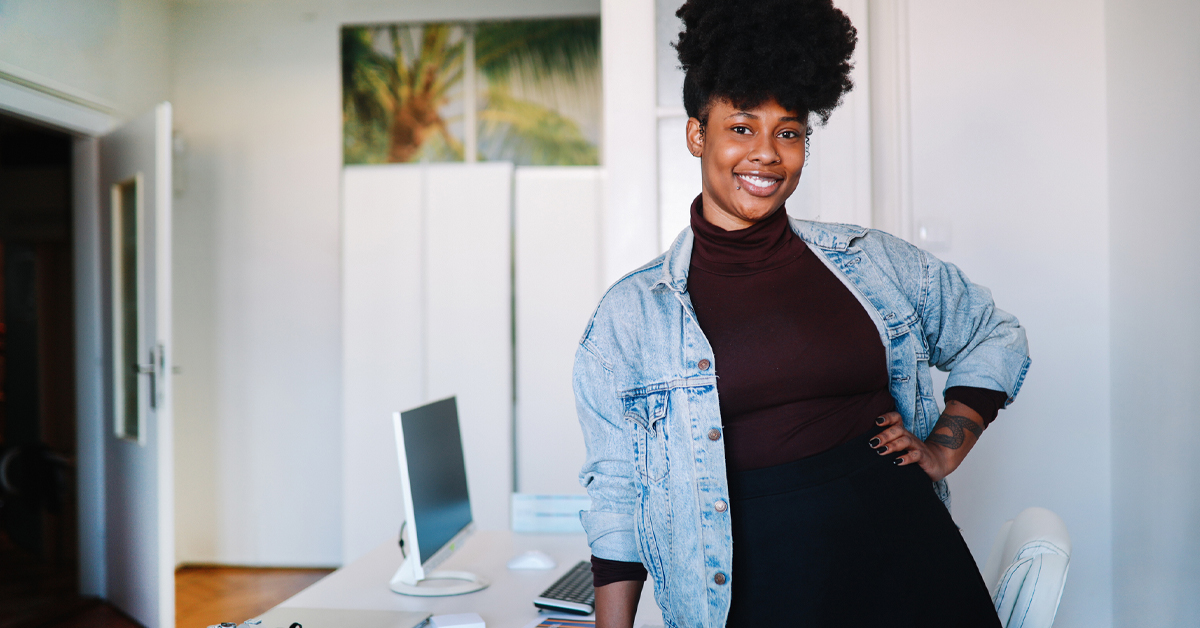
205 596
210 595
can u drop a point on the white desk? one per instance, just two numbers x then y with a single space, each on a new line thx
507 603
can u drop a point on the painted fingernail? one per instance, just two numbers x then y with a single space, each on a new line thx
879 421
882 450
873 442
898 461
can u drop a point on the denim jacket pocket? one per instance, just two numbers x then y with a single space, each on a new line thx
648 413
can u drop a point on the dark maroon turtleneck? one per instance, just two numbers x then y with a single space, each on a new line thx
799 363
800 366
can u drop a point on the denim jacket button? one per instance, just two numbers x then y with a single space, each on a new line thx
721 506
714 434
719 578
704 364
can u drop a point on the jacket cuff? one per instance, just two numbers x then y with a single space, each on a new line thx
610 535
994 368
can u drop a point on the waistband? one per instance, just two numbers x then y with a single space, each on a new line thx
808 472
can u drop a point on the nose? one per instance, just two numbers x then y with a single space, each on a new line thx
764 151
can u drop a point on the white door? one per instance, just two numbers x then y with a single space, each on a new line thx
135 179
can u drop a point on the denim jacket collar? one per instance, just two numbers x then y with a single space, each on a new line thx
678 258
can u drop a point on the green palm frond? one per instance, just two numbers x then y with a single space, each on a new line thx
530 134
428 63
367 95
440 63
549 46
366 88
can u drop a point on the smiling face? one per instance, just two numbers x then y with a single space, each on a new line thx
750 160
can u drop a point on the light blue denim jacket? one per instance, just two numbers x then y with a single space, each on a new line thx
651 421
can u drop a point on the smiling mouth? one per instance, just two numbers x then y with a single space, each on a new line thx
758 185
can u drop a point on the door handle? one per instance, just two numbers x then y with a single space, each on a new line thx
152 369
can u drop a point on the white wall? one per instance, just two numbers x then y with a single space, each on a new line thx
1008 148
1154 139
113 53
256 90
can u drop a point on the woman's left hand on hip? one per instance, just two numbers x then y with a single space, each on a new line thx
955 433
895 439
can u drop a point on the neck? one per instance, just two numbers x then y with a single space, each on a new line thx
751 249
718 216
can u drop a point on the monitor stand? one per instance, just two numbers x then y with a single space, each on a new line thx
434 583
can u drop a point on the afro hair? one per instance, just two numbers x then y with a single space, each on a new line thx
748 52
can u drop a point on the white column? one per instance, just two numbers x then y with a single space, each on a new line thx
557 285
890 120
630 221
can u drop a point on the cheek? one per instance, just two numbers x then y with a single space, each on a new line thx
796 165
722 162
793 156
714 169
794 180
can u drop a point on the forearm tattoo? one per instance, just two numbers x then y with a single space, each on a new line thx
958 426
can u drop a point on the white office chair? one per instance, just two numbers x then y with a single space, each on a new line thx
1027 568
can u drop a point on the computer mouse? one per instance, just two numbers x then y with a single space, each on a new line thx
532 559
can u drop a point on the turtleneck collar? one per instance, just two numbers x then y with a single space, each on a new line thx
763 246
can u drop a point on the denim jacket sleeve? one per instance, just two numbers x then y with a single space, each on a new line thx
979 344
608 471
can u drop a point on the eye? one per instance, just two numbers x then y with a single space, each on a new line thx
741 130
789 134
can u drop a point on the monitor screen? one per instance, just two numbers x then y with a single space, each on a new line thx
437 474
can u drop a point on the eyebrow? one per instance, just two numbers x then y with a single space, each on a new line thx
747 114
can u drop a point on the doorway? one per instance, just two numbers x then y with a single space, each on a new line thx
39 554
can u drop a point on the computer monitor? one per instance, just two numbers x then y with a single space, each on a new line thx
433 481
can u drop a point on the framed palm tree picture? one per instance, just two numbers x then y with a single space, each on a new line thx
525 91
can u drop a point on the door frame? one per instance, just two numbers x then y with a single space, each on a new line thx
39 100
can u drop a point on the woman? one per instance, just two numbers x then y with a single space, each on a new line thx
756 402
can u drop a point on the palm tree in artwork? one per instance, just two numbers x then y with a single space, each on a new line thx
398 96
423 85
397 80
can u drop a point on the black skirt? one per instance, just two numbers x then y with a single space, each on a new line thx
847 538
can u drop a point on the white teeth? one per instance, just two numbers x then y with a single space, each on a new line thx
761 182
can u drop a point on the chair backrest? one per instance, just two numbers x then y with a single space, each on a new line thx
1027 568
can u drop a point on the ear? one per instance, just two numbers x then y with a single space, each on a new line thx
695 137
